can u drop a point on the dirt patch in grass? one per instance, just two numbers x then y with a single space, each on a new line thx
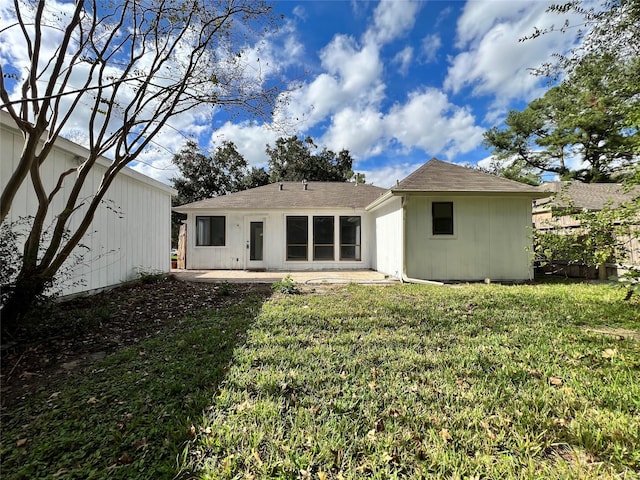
71 335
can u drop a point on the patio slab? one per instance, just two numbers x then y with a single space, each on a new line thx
301 277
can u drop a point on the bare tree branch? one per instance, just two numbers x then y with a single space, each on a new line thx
129 67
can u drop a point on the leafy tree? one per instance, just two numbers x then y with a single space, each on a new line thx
256 177
603 237
583 117
593 114
602 76
205 176
292 159
130 67
515 170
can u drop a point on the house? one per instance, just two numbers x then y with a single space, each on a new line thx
443 222
283 226
555 212
569 197
447 222
131 231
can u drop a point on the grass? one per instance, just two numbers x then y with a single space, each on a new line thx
131 415
408 381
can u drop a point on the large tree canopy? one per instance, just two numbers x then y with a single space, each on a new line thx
293 159
205 176
584 118
124 69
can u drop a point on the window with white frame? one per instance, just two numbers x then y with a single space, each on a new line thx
297 238
350 236
323 248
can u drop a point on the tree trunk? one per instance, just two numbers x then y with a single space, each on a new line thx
22 298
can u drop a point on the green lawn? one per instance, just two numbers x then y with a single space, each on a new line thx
405 381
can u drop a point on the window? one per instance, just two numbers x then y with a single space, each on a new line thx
297 238
323 238
442 215
349 238
210 231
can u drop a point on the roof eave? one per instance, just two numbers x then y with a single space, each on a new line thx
471 193
379 201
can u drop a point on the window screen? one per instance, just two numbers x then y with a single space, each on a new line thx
297 238
350 233
323 238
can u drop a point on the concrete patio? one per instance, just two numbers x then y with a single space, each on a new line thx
301 277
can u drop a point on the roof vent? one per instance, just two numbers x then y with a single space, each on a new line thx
304 184
281 187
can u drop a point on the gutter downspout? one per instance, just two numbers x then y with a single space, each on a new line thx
404 278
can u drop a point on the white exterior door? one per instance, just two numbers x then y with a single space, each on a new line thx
255 243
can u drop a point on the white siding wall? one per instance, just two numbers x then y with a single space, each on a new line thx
130 232
389 237
233 254
491 239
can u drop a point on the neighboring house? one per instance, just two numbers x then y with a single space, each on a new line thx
130 233
443 222
554 213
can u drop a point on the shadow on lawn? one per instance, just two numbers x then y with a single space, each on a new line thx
130 415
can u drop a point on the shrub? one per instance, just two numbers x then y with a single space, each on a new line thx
286 285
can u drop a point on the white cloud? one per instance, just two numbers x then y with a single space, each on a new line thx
478 18
427 120
493 61
391 20
430 122
300 12
387 176
403 59
359 131
348 95
250 140
351 78
357 68
430 46
275 52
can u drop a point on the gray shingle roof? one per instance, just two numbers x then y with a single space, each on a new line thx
293 195
433 176
439 176
590 196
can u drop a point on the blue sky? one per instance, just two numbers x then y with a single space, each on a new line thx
394 82
399 82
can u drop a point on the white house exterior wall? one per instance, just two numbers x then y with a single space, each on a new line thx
131 231
233 255
491 239
389 235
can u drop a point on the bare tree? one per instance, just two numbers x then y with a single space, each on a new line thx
130 66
